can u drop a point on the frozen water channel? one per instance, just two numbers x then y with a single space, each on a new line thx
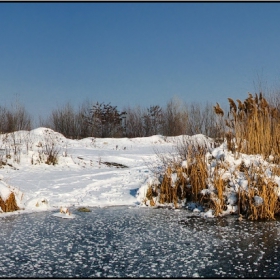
137 242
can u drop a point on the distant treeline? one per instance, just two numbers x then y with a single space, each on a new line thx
106 120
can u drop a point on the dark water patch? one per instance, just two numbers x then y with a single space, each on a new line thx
133 192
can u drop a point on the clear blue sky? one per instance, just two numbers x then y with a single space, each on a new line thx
135 53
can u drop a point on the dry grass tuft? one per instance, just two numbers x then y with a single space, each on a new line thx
9 205
173 188
260 199
180 183
218 198
275 169
197 170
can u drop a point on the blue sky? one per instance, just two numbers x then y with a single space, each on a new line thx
135 53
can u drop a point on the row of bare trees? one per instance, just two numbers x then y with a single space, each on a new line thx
97 120
14 118
106 120
172 120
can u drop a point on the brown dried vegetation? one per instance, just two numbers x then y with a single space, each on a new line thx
189 182
218 198
253 127
9 205
259 185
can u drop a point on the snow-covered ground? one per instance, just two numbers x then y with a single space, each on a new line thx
80 178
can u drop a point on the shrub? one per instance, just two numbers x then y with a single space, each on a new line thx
105 120
52 154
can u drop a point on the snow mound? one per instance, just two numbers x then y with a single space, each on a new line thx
5 191
38 204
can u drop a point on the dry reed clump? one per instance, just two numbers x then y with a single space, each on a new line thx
197 170
260 199
9 205
275 170
173 188
152 194
218 197
182 183
253 127
186 183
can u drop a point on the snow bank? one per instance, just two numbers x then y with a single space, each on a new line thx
80 178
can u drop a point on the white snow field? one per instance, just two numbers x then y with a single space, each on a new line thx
80 178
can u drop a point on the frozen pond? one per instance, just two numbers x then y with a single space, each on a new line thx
137 242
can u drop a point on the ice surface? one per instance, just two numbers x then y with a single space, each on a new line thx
136 242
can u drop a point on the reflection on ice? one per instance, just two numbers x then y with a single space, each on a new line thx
137 242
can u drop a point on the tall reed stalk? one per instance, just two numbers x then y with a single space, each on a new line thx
253 127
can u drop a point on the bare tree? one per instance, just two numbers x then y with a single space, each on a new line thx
273 98
202 120
134 122
153 120
175 118
68 121
83 129
63 120
196 119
